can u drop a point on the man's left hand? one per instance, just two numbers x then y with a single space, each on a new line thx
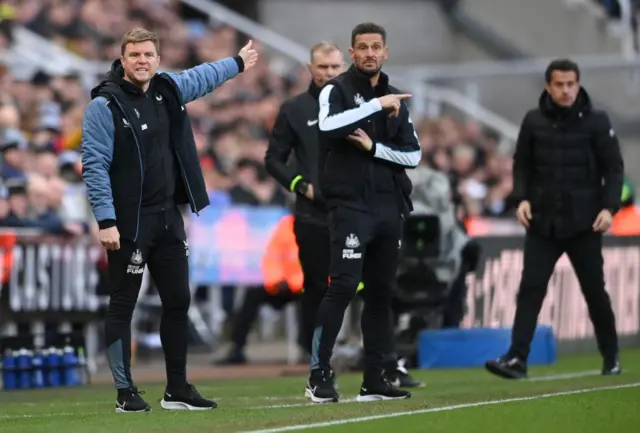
249 56
360 138
603 221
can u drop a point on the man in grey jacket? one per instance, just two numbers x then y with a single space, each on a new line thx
139 163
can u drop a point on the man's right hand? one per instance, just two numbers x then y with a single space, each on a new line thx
110 238
309 192
524 213
392 103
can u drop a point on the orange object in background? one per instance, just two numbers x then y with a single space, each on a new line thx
626 222
280 261
7 242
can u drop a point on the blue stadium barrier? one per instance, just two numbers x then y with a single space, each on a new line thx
460 348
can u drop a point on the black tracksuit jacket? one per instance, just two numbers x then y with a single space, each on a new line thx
296 130
348 175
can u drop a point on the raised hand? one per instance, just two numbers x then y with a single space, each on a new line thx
392 103
249 56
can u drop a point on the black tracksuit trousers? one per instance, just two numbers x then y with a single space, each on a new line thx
540 256
364 247
313 251
162 246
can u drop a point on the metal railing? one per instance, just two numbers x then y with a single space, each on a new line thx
510 88
496 68
35 50
470 106
276 41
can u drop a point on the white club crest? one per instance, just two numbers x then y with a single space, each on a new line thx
136 257
352 241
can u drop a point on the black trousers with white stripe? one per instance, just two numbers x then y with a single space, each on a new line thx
364 247
161 246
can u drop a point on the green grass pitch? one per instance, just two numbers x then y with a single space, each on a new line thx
569 397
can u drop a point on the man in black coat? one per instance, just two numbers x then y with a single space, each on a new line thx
568 175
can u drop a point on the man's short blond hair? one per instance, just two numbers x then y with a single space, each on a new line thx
324 47
138 35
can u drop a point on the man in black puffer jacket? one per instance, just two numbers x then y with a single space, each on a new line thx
568 175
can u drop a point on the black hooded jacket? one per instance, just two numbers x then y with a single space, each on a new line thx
568 165
154 164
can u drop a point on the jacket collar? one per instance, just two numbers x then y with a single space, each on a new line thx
314 90
363 80
580 107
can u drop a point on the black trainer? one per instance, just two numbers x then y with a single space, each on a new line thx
381 390
129 401
186 398
398 376
612 367
507 367
321 387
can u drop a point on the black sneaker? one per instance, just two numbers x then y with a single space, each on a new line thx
186 398
507 367
611 367
381 390
399 376
321 388
129 400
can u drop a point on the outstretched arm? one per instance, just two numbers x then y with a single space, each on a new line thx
336 121
196 82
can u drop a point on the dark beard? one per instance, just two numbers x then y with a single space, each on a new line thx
370 73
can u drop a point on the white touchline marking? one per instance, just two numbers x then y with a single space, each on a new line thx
442 409
551 377
564 376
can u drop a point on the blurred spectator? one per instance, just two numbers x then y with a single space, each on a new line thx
254 186
33 205
7 17
4 203
480 174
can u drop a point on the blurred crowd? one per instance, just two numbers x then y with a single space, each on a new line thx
41 117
